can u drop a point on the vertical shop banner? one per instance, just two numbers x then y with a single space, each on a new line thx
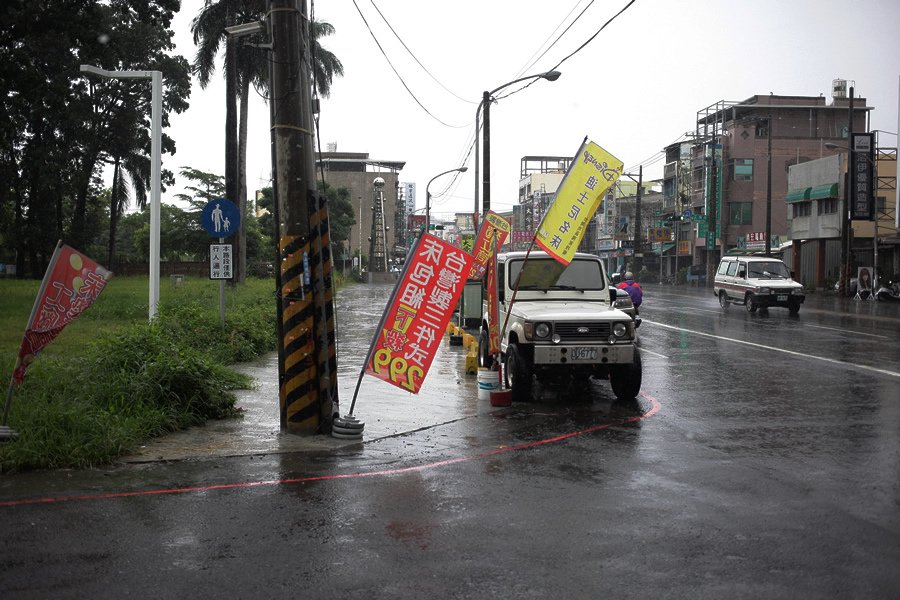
589 176
418 313
492 234
71 284
493 304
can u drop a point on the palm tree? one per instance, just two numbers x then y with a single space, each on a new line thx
246 66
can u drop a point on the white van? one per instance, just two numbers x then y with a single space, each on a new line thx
757 282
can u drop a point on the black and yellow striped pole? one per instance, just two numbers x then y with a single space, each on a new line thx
307 359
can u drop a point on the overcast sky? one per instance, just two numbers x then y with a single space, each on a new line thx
635 88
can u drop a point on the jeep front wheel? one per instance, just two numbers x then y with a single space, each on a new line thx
723 300
518 374
626 379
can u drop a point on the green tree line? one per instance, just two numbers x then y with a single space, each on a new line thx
62 130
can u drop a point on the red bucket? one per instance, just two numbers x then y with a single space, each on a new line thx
501 398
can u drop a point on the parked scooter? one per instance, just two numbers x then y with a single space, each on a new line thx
888 292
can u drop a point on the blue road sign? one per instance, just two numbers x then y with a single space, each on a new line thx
687 214
220 217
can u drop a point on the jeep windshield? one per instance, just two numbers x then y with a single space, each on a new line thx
768 270
545 274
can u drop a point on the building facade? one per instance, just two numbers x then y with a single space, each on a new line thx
726 186
358 173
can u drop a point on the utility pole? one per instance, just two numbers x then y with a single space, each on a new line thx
307 360
846 230
769 186
636 262
711 258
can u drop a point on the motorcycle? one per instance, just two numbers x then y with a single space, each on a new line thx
888 292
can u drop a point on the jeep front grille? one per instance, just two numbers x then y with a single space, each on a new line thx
593 331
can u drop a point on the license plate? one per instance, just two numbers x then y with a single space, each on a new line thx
782 298
582 354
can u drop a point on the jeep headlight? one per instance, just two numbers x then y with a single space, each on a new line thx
619 330
764 290
797 291
542 330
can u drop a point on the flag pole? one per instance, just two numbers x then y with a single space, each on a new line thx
6 433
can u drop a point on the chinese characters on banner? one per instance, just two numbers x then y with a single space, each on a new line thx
493 304
589 176
71 284
493 226
862 177
418 313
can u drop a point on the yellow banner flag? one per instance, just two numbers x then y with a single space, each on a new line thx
593 171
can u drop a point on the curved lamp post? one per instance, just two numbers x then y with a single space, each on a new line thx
428 195
486 106
155 78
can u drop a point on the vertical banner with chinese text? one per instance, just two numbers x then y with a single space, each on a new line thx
493 303
593 171
493 226
418 313
71 284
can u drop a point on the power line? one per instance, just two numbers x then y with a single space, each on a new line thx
377 43
424 68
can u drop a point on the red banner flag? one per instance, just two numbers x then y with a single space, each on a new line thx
418 313
71 284
493 227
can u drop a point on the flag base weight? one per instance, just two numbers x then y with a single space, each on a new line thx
347 428
7 433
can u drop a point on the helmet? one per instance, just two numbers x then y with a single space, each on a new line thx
629 275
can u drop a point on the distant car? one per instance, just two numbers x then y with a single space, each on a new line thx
696 274
757 282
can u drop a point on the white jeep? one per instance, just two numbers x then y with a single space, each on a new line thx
562 325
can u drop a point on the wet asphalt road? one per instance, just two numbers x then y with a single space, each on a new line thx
761 461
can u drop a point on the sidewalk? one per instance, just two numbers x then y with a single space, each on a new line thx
448 394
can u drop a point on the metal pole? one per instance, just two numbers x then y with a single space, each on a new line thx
155 201
477 166
638 240
486 199
769 187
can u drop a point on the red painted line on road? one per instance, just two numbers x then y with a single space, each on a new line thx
654 408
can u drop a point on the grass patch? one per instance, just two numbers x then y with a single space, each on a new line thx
110 380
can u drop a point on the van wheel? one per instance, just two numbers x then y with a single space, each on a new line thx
794 308
750 304
518 374
723 300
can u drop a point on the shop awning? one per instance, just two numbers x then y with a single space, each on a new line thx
667 247
828 190
798 195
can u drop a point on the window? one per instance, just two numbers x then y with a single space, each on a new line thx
802 209
732 268
741 213
880 204
827 206
741 169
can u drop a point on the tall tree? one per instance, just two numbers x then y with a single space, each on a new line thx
60 127
250 68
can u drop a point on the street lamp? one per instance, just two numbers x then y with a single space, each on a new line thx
155 78
428 195
485 105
